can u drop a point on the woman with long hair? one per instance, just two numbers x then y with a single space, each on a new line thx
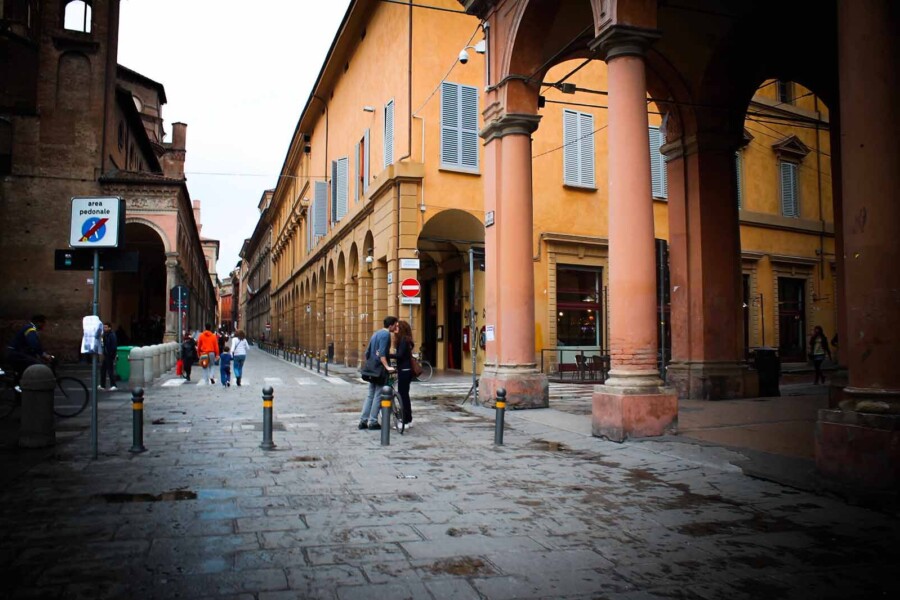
403 348
239 345
818 350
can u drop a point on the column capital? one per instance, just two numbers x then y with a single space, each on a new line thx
510 124
623 40
701 142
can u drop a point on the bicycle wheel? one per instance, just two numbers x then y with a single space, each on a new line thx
9 398
397 409
70 397
427 371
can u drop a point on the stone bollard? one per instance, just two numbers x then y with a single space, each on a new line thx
38 426
148 364
156 360
136 366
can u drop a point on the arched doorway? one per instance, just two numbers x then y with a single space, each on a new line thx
139 300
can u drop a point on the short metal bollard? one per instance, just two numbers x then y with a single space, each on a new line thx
137 421
500 406
318 363
387 396
326 367
304 358
268 400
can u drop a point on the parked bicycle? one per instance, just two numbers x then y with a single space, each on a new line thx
396 405
70 396
427 369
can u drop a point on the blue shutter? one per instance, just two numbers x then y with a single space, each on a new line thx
389 134
789 197
320 210
449 124
342 187
468 127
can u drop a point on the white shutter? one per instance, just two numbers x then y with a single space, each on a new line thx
570 147
334 193
659 179
342 187
789 204
449 124
389 134
468 127
357 192
320 209
367 152
586 149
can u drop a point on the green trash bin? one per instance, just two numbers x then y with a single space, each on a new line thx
123 367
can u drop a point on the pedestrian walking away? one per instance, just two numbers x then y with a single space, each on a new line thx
225 366
403 349
818 351
239 346
188 354
380 346
208 351
110 347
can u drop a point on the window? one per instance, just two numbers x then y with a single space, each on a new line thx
339 184
320 211
790 204
738 179
578 149
459 126
578 304
784 91
362 166
389 134
78 16
658 176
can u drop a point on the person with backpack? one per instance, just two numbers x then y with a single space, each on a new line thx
188 355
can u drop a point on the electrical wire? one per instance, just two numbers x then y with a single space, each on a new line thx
440 8
447 74
569 143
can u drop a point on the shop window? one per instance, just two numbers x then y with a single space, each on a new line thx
579 305
78 16
459 126
578 149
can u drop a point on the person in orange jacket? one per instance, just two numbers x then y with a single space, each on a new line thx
208 350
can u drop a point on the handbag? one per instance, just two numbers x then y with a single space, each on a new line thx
373 370
416 367
204 361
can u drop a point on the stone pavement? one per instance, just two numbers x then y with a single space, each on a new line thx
440 513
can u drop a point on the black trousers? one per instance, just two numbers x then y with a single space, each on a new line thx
404 377
108 368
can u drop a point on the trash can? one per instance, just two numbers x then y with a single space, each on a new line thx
768 369
123 367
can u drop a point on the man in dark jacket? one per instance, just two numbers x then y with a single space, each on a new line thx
110 347
26 349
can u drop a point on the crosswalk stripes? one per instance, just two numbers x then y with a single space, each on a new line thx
558 391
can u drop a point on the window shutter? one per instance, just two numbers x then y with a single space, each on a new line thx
468 127
659 180
367 153
586 148
789 204
570 148
357 191
449 124
342 187
389 134
738 179
309 228
320 209
334 192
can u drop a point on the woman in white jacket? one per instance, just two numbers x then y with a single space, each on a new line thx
239 345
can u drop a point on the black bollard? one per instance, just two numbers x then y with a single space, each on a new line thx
137 421
500 406
326 367
304 359
268 400
387 396
318 363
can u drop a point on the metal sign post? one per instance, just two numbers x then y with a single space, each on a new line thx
473 343
96 313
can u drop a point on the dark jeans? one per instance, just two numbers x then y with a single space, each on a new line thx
108 368
186 364
404 377
817 365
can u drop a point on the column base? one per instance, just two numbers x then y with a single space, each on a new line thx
858 452
712 380
526 387
619 414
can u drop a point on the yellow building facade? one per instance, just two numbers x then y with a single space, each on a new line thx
383 183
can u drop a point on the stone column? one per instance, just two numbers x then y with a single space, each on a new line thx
328 311
340 321
705 268
171 333
351 322
509 268
365 323
859 444
633 402
379 295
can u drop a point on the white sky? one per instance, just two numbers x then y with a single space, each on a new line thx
238 74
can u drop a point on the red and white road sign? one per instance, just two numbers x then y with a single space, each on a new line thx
410 287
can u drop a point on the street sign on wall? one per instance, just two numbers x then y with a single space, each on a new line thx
410 288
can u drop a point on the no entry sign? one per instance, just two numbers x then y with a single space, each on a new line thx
410 287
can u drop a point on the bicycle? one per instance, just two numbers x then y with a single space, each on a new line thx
70 396
427 369
396 404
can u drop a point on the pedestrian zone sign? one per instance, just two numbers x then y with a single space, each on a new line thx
96 222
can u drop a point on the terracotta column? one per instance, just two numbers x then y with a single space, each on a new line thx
509 268
171 281
633 402
365 324
340 322
351 322
704 233
860 443
329 330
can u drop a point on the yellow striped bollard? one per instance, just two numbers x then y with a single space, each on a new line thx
268 401
387 398
137 421
500 406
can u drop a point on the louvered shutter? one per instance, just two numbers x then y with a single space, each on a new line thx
570 147
357 186
468 127
309 229
658 164
586 149
449 124
789 205
334 192
389 134
342 187
738 179
366 159
320 209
